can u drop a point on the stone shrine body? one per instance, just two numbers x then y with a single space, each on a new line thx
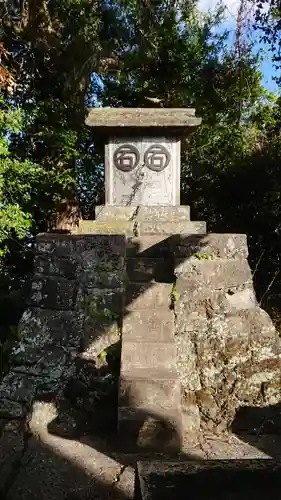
142 154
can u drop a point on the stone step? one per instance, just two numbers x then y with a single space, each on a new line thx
211 245
147 296
154 430
139 228
172 228
149 388
148 355
160 213
233 479
148 269
153 325
216 273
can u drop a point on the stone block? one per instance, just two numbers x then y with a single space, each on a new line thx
156 430
245 479
171 228
153 245
55 244
111 227
53 293
102 275
160 213
150 269
216 274
103 247
208 302
38 327
53 266
152 325
18 387
211 245
104 213
147 296
98 335
10 409
164 213
138 355
100 304
148 389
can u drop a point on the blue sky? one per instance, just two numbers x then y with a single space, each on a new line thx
267 66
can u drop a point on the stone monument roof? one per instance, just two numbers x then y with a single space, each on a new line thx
174 118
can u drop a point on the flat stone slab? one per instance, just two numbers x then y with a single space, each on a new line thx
139 228
147 355
211 245
150 388
210 480
152 325
148 296
119 118
160 213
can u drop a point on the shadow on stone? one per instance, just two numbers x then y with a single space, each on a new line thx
259 427
210 480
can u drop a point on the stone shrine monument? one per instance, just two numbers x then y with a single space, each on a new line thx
142 155
196 346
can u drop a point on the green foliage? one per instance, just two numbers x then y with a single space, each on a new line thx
203 256
14 221
174 296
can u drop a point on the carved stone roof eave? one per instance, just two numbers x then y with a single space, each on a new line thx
121 120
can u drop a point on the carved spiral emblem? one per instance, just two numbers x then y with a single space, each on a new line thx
157 157
126 157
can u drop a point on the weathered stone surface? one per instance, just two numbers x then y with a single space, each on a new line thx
237 479
151 325
112 227
53 468
99 303
155 246
223 370
10 409
17 387
136 355
209 246
97 274
147 296
38 327
102 246
143 213
55 244
150 390
98 335
53 293
164 213
148 269
53 266
102 261
202 299
157 430
136 228
171 228
61 245
142 117
217 273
